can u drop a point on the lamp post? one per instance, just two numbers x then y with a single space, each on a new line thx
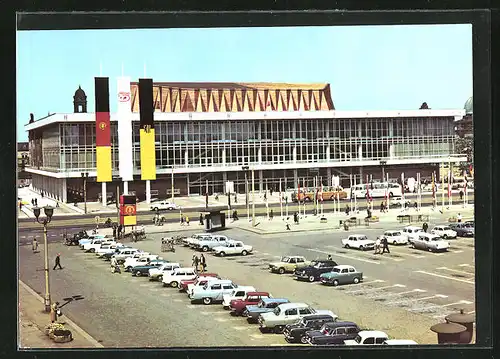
246 168
49 211
85 176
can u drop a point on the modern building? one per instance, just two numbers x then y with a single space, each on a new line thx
220 132
23 177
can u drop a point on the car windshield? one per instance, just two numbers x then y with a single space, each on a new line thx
363 238
315 264
358 339
261 304
285 259
277 311
435 239
446 228
336 270
396 233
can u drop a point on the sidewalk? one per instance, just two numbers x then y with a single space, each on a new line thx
32 322
27 194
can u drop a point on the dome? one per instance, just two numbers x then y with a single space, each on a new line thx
79 93
468 106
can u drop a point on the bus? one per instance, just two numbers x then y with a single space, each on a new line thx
329 194
377 190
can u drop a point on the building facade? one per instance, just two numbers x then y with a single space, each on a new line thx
213 132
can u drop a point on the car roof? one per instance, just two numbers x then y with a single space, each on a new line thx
243 287
344 266
392 230
357 235
316 316
286 306
275 300
375 333
340 324
399 341
429 235
412 227
257 293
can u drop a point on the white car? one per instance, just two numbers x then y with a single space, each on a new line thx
444 232
399 342
96 244
358 241
132 262
195 237
412 232
238 293
173 278
232 248
395 237
206 244
430 242
199 282
157 273
108 248
125 253
163 205
398 201
368 337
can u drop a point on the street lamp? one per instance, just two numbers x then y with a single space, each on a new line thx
49 212
246 168
85 176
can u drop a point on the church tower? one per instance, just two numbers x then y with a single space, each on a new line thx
80 101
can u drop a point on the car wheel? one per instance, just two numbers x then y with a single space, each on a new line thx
332 198
303 340
335 283
355 280
278 329
445 236
281 270
412 245
222 254
138 273
127 269
170 208
244 253
347 246
156 208
361 248
207 301
205 249
160 278
92 250
394 242
174 284
391 195
311 278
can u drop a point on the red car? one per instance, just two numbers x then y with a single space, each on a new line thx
238 306
183 285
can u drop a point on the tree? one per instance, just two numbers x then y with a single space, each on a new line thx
465 146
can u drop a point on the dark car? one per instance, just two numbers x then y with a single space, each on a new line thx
463 229
332 333
139 271
315 270
265 305
294 333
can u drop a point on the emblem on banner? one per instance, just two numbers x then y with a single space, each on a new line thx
102 125
123 96
147 128
130 210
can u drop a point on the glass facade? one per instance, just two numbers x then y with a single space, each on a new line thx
71 146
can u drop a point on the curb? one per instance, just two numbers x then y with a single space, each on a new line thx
78 329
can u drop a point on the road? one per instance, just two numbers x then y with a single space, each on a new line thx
408 286
193 213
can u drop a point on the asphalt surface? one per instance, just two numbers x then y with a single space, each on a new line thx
194 212
407 286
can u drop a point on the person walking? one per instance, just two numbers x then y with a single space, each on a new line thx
36 201
347 209
459 218
182 220
330 257
461 193
187 220
201 219
33 202
425 226
58 262
35 245
20 205
385 245
271 215
195 261
203 263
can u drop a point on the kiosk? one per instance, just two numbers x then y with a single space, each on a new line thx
215 219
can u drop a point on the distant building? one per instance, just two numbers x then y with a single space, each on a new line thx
22 162
464 126
212 131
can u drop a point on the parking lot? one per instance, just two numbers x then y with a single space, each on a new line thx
403 293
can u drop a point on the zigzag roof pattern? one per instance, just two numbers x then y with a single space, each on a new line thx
236 97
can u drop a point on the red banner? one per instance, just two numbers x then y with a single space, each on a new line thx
102 131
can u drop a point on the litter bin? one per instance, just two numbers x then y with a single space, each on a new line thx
467 320
448 333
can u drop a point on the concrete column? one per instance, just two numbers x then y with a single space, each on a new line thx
224 180
103 190
223 156
391 151
64 185
360 152
187 183
125 187
259 155
148 191
295 179
362 178
294 154
329 175
261 181
327 150
186 158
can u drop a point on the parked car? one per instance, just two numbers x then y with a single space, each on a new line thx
238 306
201 282
343 274
411 232
208 243
232 248
288 264
108 248
141 270
395 237
444 232
213 291
358 241
398 201
332 334
288 313
430 242
139 259
399 342
295 333
238 293
163 205
89 239
195 237
96 244
463 229
107 255
173 278
368 337
125 253
184 283
159 272
313 272
252 312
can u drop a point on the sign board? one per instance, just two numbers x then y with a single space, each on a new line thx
229 187
335 181
411 184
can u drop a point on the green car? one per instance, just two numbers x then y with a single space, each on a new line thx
144 270
342 274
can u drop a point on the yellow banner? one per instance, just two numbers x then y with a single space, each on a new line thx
104 164
130 220
148 155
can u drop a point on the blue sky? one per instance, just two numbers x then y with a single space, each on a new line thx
369 68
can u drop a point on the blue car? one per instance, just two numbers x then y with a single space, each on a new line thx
265 305
139 271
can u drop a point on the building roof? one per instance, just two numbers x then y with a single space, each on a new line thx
468 106
236 97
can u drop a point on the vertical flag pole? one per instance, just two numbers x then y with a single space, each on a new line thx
172 185
355 197
281 201
388 193
351 190
450 180
403 202
206 195
298 195
442 186
253 197
267 203
304 184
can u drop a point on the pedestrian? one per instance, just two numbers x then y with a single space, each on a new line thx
54 311
58 262
36 201
271 191
187 220
461 193
382 207
33 202
35 245
459 218
195 261
114 231
368 213
182 220
265 196
385 245
271 215
21 205
203 263
288 226
377 245
201 219
347 209
415 205
330 257
235 198
42 194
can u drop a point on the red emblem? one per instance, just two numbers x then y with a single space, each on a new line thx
130 210
102 125
123 96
